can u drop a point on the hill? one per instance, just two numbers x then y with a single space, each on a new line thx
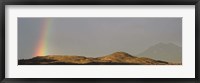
164 51
117 58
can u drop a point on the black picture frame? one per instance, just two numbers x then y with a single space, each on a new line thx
98 2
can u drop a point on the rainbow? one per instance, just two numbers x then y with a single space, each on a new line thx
41 49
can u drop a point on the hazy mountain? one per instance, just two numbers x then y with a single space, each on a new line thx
117 58
164 51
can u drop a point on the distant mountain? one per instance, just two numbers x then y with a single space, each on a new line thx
117 58
164 51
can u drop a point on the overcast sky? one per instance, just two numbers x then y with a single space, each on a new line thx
95 37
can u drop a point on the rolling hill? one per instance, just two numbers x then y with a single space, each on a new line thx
117 58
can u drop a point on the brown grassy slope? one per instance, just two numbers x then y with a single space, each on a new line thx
117 58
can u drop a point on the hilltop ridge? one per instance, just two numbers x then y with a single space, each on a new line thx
117 58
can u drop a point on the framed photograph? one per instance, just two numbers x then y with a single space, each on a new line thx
143 40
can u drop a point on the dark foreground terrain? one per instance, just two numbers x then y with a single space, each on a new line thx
117 58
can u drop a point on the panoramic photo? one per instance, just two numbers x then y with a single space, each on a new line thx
99 41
